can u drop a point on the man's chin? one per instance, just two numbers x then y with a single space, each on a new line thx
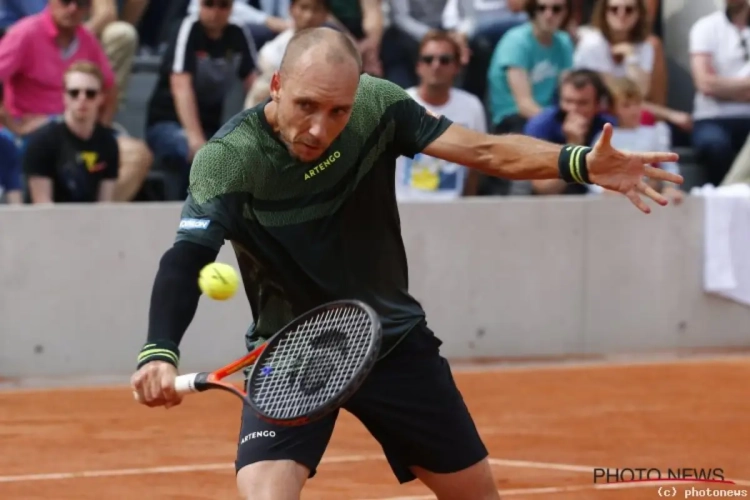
307 153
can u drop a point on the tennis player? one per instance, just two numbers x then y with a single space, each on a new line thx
303 186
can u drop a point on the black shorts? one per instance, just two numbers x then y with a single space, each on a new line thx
409 403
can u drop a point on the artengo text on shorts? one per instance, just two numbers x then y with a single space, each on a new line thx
255 435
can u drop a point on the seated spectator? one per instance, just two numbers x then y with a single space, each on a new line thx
423 177
578 119
527 65
631 134
34 56
410 20
119 39
263 25
479 25
73 158
204 57
363 20
720 61
305 14
11 176
618 45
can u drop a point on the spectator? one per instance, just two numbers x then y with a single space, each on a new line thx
618 45
119 39
34 56
423 177
73 158
305 14
479 25
197 72
576 120
363 20
631 134
12 11
263 24
411 20
720 61
11 176
527 65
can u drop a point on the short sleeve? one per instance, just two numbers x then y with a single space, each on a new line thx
512 52
12 52
702 38
209 211
41 151
180 54
567 49
592 52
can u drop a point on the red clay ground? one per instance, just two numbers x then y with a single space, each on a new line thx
545 428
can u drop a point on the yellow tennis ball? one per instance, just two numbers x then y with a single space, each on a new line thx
219 281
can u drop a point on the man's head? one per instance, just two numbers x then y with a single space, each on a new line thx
83 91
314 90
309 13
627 100
736 6
214 14
439 60
581 93
69 14
549 15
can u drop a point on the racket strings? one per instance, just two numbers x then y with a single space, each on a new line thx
312 363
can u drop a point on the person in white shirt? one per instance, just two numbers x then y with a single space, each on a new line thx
720 63
617 45
423 177
304 14
631 134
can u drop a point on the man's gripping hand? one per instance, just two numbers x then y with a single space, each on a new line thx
154 384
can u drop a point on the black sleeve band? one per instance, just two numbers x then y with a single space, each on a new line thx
174 300
572 164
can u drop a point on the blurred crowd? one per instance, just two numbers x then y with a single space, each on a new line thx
553 69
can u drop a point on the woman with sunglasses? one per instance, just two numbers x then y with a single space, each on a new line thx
617 46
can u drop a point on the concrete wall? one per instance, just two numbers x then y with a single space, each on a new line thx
498 277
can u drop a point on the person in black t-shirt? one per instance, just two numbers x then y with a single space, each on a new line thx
204 55
73 158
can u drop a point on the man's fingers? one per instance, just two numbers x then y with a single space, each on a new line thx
606 136
663 175
652 193
648 158
636 200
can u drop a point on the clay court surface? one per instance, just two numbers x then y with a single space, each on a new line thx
546 428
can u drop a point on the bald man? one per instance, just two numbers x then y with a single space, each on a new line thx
303 186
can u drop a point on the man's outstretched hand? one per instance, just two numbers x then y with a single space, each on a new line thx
624 172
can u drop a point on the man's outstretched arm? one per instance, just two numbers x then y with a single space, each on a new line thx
525 158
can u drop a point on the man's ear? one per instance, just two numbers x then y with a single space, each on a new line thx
275 86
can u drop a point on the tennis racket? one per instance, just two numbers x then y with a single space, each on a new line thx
307 369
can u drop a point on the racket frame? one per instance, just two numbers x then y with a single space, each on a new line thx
345 392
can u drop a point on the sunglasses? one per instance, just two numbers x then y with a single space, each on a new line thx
444 59
221 4
81 4
625 9
554 8
90 93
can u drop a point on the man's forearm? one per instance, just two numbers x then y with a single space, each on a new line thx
187 113
729 89
372 19
520 157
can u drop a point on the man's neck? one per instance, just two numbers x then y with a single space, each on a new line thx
65 37
543 37
81 129
435 96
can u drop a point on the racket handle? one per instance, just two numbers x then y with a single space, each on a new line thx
184 384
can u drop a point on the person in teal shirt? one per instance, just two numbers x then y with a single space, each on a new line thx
527 64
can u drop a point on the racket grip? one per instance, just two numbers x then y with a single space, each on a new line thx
185 384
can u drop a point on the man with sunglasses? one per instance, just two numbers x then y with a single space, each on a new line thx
303 187
74 158
206 54
424 177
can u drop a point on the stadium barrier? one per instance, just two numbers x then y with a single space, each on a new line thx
516 277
